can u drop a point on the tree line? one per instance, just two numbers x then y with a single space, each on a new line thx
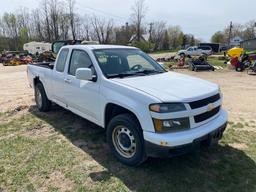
57 20
244 31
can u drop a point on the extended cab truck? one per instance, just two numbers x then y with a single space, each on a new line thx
145 110
195 51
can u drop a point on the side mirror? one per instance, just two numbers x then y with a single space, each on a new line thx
84 74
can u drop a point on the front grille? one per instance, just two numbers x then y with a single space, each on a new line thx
206 115
204 102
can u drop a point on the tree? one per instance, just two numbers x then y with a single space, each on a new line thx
54 16
157 34
23 37
46 20
250 30
64 21
166 41
175 38
37 28
10 23
138 15
103 29
192 40
86 27
71 4
184 40
218 37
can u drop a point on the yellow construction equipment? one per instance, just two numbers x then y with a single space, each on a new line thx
235 52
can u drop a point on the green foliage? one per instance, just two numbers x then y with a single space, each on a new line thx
166 41
192 41
143 45
23 37
218 37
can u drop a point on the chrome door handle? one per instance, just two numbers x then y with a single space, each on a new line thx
67 81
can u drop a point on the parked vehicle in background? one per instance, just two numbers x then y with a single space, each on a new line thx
214 46
145 110
195 51
206 49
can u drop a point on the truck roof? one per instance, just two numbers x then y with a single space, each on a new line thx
93 47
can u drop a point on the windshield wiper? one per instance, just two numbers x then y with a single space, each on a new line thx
149 71
121 75
134 73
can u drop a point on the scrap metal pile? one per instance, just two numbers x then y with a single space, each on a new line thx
195 63
13 58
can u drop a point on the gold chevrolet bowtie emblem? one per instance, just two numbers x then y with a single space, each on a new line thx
210 107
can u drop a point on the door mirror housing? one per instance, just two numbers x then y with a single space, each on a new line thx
84 74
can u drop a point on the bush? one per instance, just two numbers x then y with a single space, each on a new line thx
143 45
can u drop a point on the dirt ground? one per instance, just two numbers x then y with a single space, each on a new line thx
239 90
59 151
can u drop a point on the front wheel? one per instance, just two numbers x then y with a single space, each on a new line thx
125 138
42 102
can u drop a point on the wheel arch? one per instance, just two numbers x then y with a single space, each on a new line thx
36 80
112 110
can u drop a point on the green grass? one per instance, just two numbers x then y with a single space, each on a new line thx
59 151
216 62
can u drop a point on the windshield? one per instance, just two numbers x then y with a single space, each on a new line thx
121 63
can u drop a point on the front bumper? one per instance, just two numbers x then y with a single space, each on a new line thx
153 150
204 133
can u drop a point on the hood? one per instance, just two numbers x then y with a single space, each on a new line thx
172 87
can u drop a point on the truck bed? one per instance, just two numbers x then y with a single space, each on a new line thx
44 65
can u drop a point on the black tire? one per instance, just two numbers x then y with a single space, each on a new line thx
129 122
45 104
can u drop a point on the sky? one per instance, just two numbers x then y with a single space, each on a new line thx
201 18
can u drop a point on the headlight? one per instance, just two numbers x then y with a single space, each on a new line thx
167 107
171 125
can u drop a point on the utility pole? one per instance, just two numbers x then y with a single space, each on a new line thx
127 32
150 31
230 32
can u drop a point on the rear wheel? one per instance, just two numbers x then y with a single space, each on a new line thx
42 102
125 138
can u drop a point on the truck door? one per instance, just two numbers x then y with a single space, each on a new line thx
59 77
82 96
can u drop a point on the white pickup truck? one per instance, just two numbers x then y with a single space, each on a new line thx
195 51
145 110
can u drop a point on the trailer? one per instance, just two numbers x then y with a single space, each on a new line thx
37 47
215 46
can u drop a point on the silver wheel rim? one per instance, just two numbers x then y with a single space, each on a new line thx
38 98
124 141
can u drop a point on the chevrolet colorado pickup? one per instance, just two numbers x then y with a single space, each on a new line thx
145 110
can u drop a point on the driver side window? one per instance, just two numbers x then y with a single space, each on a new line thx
79 59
